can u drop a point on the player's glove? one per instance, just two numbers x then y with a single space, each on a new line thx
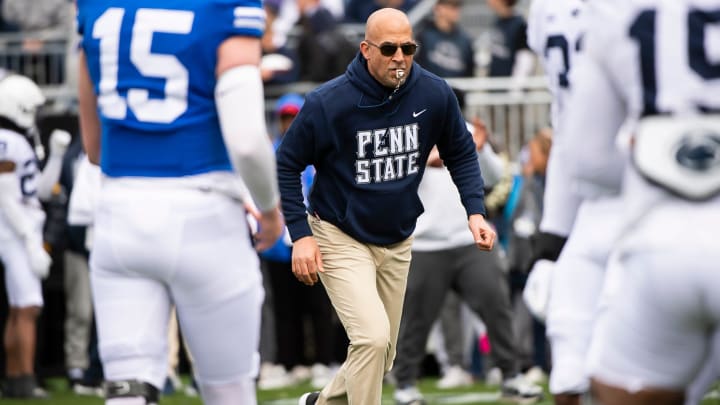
40 260
547 246
536 293
59 141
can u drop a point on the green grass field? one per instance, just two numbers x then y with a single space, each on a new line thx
477 394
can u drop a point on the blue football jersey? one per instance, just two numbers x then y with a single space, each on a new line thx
153 69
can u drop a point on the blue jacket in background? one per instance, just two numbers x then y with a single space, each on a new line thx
280 252
369 145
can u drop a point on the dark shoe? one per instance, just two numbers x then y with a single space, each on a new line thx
309 398
169 387
23 387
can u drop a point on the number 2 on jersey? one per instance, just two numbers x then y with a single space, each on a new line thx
561 43
147 22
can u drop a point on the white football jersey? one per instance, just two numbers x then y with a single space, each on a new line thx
555 31
677 70
16 148
640 58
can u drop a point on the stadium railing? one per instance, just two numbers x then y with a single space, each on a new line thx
43 57
513 109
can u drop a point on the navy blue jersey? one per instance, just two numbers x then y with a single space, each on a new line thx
447 54
153 69
369 145
508 37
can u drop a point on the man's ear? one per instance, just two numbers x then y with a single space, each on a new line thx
365 49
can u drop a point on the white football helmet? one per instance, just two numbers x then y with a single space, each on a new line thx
20 98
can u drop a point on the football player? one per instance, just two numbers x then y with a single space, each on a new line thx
555 33
655 95
171 107
24 258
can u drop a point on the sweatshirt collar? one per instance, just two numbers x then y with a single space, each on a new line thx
373 93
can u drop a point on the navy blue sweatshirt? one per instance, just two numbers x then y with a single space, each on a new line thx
369 145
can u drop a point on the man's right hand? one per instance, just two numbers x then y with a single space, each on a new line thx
306 260
546 245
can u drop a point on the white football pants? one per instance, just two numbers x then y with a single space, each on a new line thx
576 283
158 244
657 329
24 288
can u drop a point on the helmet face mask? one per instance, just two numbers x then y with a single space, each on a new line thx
20 99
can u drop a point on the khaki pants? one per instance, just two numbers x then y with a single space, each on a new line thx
366 284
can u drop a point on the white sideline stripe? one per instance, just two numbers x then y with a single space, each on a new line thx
468 398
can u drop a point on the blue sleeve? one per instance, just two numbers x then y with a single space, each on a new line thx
279 252
457 149
79 18
294 154
238 17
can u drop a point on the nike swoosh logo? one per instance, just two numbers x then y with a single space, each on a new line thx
417 114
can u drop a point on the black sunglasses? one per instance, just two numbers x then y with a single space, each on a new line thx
390 49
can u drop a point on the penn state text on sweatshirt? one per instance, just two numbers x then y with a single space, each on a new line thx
369 145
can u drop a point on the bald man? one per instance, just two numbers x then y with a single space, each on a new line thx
368 133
